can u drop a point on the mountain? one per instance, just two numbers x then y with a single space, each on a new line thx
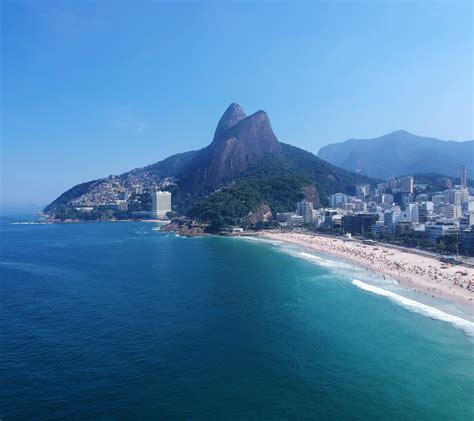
400 153
239 141
279 181
243 169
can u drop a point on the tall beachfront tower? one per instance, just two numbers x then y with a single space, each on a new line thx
305 209
160 203
463 176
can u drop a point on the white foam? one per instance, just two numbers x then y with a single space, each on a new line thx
311 256
348 270
325 262
412 305
259 239
29 223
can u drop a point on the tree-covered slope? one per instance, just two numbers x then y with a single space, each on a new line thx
279 181
169 167
435 182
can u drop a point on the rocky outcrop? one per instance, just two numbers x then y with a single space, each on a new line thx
311 195
231 117
262 214
239 141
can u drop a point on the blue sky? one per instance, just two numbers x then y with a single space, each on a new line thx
92 88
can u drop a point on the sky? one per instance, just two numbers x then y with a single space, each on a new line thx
93 88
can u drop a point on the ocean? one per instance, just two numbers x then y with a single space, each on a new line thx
121 321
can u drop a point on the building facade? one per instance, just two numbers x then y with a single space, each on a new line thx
359 223
305 209
464 177
160 203
406 184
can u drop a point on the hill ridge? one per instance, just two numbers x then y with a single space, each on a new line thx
400 152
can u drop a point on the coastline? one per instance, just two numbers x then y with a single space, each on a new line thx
423 274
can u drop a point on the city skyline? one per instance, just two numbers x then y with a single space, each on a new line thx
83 100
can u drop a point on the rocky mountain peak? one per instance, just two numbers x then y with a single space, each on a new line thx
232 115
255 133
239 142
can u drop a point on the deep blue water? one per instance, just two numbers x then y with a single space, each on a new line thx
117 321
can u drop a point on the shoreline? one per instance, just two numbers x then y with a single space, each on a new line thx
85 221
422 274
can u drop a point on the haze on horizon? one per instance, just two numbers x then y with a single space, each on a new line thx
92 89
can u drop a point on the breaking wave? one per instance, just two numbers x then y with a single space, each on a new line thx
415 306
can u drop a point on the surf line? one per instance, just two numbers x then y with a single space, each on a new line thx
432 312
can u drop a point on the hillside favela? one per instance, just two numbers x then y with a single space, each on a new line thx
304 253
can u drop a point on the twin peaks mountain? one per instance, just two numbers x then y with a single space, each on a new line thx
239 141
243 170
401 153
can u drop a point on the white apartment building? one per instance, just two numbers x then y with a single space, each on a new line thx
440 229
160 203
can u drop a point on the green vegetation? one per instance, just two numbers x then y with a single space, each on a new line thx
278 180
434 183
327 178
101 213
139 203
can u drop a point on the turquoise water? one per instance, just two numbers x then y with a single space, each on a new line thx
116 320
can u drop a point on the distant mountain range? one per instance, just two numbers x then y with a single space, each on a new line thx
400 153
243 170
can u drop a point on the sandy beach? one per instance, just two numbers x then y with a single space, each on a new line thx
426 275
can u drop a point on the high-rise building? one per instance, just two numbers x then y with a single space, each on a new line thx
466 220
387 199
464 196
359 205
452 211
362 190
438 199
453 196
392 183
305 209
391 217
406 184
420 198
423 213
407 199
413 212
467 240
463 176
338 200
160 203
